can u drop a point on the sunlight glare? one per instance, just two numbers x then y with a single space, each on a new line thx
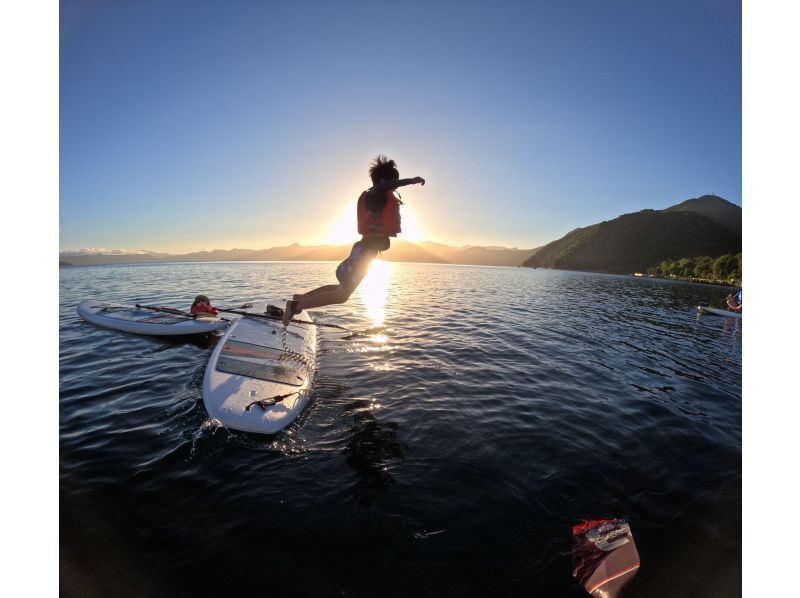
374 290
344 228
411 229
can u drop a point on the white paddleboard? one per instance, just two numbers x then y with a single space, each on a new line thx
145 321
257 360
718 312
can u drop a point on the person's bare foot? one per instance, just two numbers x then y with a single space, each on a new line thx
288 312
292 309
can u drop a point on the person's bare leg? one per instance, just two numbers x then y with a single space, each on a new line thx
328 288
340 294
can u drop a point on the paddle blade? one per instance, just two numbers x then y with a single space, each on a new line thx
604 556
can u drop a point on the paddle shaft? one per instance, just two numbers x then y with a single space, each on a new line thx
172 310
177 312
269 317
168 310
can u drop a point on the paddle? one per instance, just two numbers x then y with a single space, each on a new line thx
269 317
168 310
174 311
177 312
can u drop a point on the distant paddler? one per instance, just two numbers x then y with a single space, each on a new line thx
734 302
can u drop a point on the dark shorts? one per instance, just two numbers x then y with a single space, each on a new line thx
353 270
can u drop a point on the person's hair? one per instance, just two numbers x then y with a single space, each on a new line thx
382 168
200 298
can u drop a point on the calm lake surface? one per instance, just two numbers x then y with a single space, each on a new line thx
447 455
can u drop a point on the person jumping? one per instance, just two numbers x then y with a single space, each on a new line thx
378 212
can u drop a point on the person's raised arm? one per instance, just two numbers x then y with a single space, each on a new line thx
385 185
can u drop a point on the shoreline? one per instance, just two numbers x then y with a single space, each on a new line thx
718 283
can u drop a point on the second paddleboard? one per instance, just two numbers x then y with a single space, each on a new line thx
718 312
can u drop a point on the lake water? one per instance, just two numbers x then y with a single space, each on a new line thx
448 454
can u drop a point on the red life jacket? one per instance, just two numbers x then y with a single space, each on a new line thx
206 309
385 223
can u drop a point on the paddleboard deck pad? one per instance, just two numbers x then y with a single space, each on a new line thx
255 361
718 312
128 318
259 376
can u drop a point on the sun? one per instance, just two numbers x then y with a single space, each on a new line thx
344 227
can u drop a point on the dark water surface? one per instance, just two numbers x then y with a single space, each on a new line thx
448 455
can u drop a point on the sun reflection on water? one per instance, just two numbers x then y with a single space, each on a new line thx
374 290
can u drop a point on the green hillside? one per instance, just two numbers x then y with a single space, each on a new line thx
636 242
718 209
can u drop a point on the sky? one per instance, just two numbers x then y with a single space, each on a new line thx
200 125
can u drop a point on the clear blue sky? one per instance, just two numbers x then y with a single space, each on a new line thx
201 125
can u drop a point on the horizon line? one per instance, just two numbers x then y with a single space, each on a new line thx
133 252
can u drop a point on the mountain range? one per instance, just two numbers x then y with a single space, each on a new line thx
400 251
702 226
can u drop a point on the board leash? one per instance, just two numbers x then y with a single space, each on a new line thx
270 401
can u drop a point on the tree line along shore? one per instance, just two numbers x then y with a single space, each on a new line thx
723 270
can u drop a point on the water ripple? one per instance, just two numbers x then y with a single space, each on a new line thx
485 412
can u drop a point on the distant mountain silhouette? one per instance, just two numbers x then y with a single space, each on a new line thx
707 225
400 251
